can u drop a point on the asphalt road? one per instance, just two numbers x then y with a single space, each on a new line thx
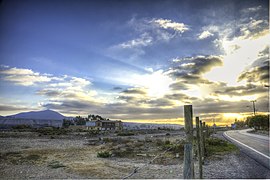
255 146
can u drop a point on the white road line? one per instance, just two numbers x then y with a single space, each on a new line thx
247 146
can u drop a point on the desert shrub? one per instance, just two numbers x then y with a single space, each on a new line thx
108 140
219 146
52 131
177 148
55 164
159 142
19 158
22 127
174 147
32 157
93 132
167 142
104 154
125 134
122 152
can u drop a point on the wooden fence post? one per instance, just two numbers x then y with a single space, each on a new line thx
199 152
207 131
188 153
204 138
201 140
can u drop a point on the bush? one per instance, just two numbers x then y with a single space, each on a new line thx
258 122
218 146
32 157
125 134
93 132
51 131
104 154
122 152
55 164
22 127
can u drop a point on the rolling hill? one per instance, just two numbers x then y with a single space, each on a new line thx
46 114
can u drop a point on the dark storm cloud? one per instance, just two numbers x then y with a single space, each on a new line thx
54 93
12 108
259 70
132 112
49 92
72 105
249 89
180 97
134 91
256 74
160 102
190 70
178 86
117 88
127 98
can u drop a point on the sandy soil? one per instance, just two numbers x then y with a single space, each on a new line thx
45 158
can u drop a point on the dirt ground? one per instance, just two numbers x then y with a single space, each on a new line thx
26 155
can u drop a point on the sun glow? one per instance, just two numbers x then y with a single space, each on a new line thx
239 53
156 84
233 115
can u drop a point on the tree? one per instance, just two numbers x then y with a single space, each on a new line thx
258 122
67 123
240 124
80 120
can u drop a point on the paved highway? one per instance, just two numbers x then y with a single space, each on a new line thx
255 146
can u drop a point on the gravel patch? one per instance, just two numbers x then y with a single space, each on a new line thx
17 144
78 161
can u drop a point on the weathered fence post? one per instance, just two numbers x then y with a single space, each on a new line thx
204 138
201 140
199 152
207 131
188 153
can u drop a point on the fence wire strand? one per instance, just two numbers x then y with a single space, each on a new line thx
145 165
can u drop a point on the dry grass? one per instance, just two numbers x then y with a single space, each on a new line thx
99 169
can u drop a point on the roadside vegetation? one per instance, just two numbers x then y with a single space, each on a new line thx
215 146
258 122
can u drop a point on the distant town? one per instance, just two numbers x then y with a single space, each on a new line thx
39 119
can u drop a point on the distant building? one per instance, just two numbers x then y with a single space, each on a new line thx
104 125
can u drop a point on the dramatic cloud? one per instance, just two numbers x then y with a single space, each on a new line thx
24 77
5 107
193 68
256 74
71 107
134 91
241 91
178 85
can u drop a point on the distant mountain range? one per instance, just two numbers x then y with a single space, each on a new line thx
46 114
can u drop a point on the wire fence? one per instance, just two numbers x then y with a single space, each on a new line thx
147 164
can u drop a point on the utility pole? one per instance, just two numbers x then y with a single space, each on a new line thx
254 108
214 125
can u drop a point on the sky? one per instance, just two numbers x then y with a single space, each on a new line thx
135 60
